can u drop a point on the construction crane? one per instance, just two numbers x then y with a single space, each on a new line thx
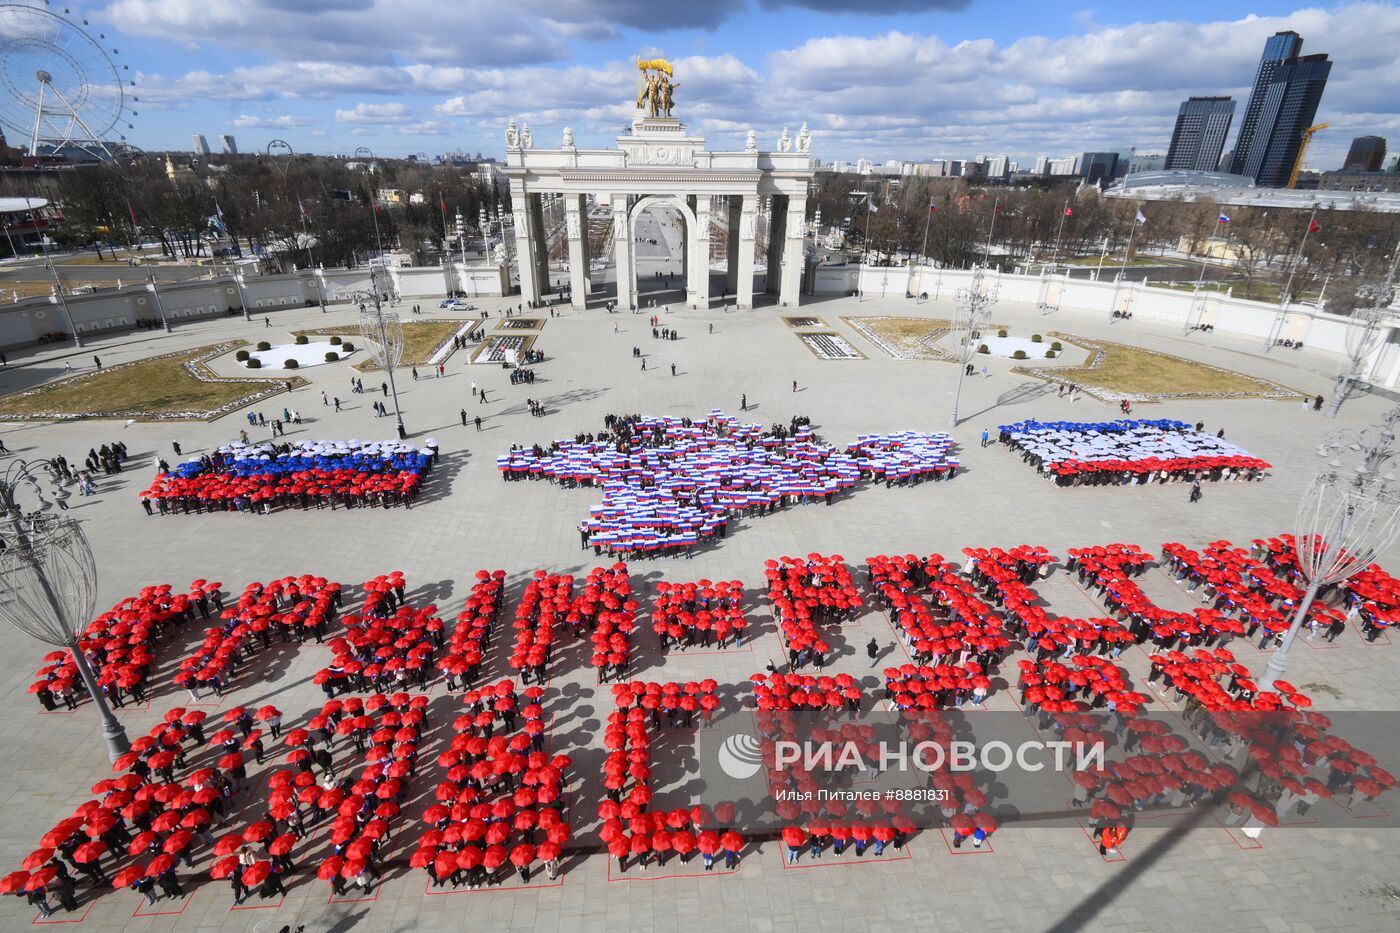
1302 151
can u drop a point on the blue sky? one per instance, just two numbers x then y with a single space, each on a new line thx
900 79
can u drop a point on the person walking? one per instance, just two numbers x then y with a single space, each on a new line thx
743 402
175 446
872 650
337 403
794 385
478 422
97 360
481 397
1195 490
473 390
673 369
464 417
986 436
325 399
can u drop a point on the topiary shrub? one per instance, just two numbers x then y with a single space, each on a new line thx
335 341
254 363
1049 354
1019 355
332 356
347 347
290 364
1056 345
1002 332
241 355
302 340
983 349
264 346
1035 338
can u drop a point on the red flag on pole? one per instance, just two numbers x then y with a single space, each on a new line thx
1069 213
442 200
1314 226
133 214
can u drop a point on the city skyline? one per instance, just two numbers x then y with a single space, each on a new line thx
1053 80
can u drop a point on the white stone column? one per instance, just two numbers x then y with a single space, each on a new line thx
748 226
539 235
794 254
524 249
623 261
576 229
700 253
731 269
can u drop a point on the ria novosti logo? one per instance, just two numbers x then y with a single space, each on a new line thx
740 756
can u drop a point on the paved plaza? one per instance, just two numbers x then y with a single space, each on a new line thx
1205 876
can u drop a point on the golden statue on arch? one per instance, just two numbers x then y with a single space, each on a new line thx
655 88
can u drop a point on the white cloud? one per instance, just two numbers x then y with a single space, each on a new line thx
892 94
285 121
375 114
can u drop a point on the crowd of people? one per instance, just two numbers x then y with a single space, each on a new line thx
701 614
1128 452
669 483
634 834
308 474
120 645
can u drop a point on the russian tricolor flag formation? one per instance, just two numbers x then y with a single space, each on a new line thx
309 471
1130 449
679 484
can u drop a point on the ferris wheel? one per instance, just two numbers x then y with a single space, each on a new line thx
63 89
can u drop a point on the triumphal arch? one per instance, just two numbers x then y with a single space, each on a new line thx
660 162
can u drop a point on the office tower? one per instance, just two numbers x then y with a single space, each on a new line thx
1279 48
1095 167
201 145
1289 108
1202 124
1365 155
230 147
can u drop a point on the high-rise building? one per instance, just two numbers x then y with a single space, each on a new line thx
201 145
1279 48
996 166
1202 124
1095 167
1042 165
1288 110
1366 154
230 147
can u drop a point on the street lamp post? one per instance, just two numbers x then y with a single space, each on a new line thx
155 296
242 295
973 310
1349 514
1362 340
62 301
48 585
382 329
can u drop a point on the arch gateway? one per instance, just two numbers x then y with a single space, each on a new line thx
659 162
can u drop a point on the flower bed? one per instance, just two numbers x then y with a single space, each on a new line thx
128 390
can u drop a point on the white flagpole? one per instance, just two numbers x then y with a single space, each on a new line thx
1055 260
990 227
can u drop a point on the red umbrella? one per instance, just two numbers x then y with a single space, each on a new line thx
282 844
38 857
258 832
224 867
14 881
256 873
522 855
128 876
159 865
330 868
40 878
89 851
